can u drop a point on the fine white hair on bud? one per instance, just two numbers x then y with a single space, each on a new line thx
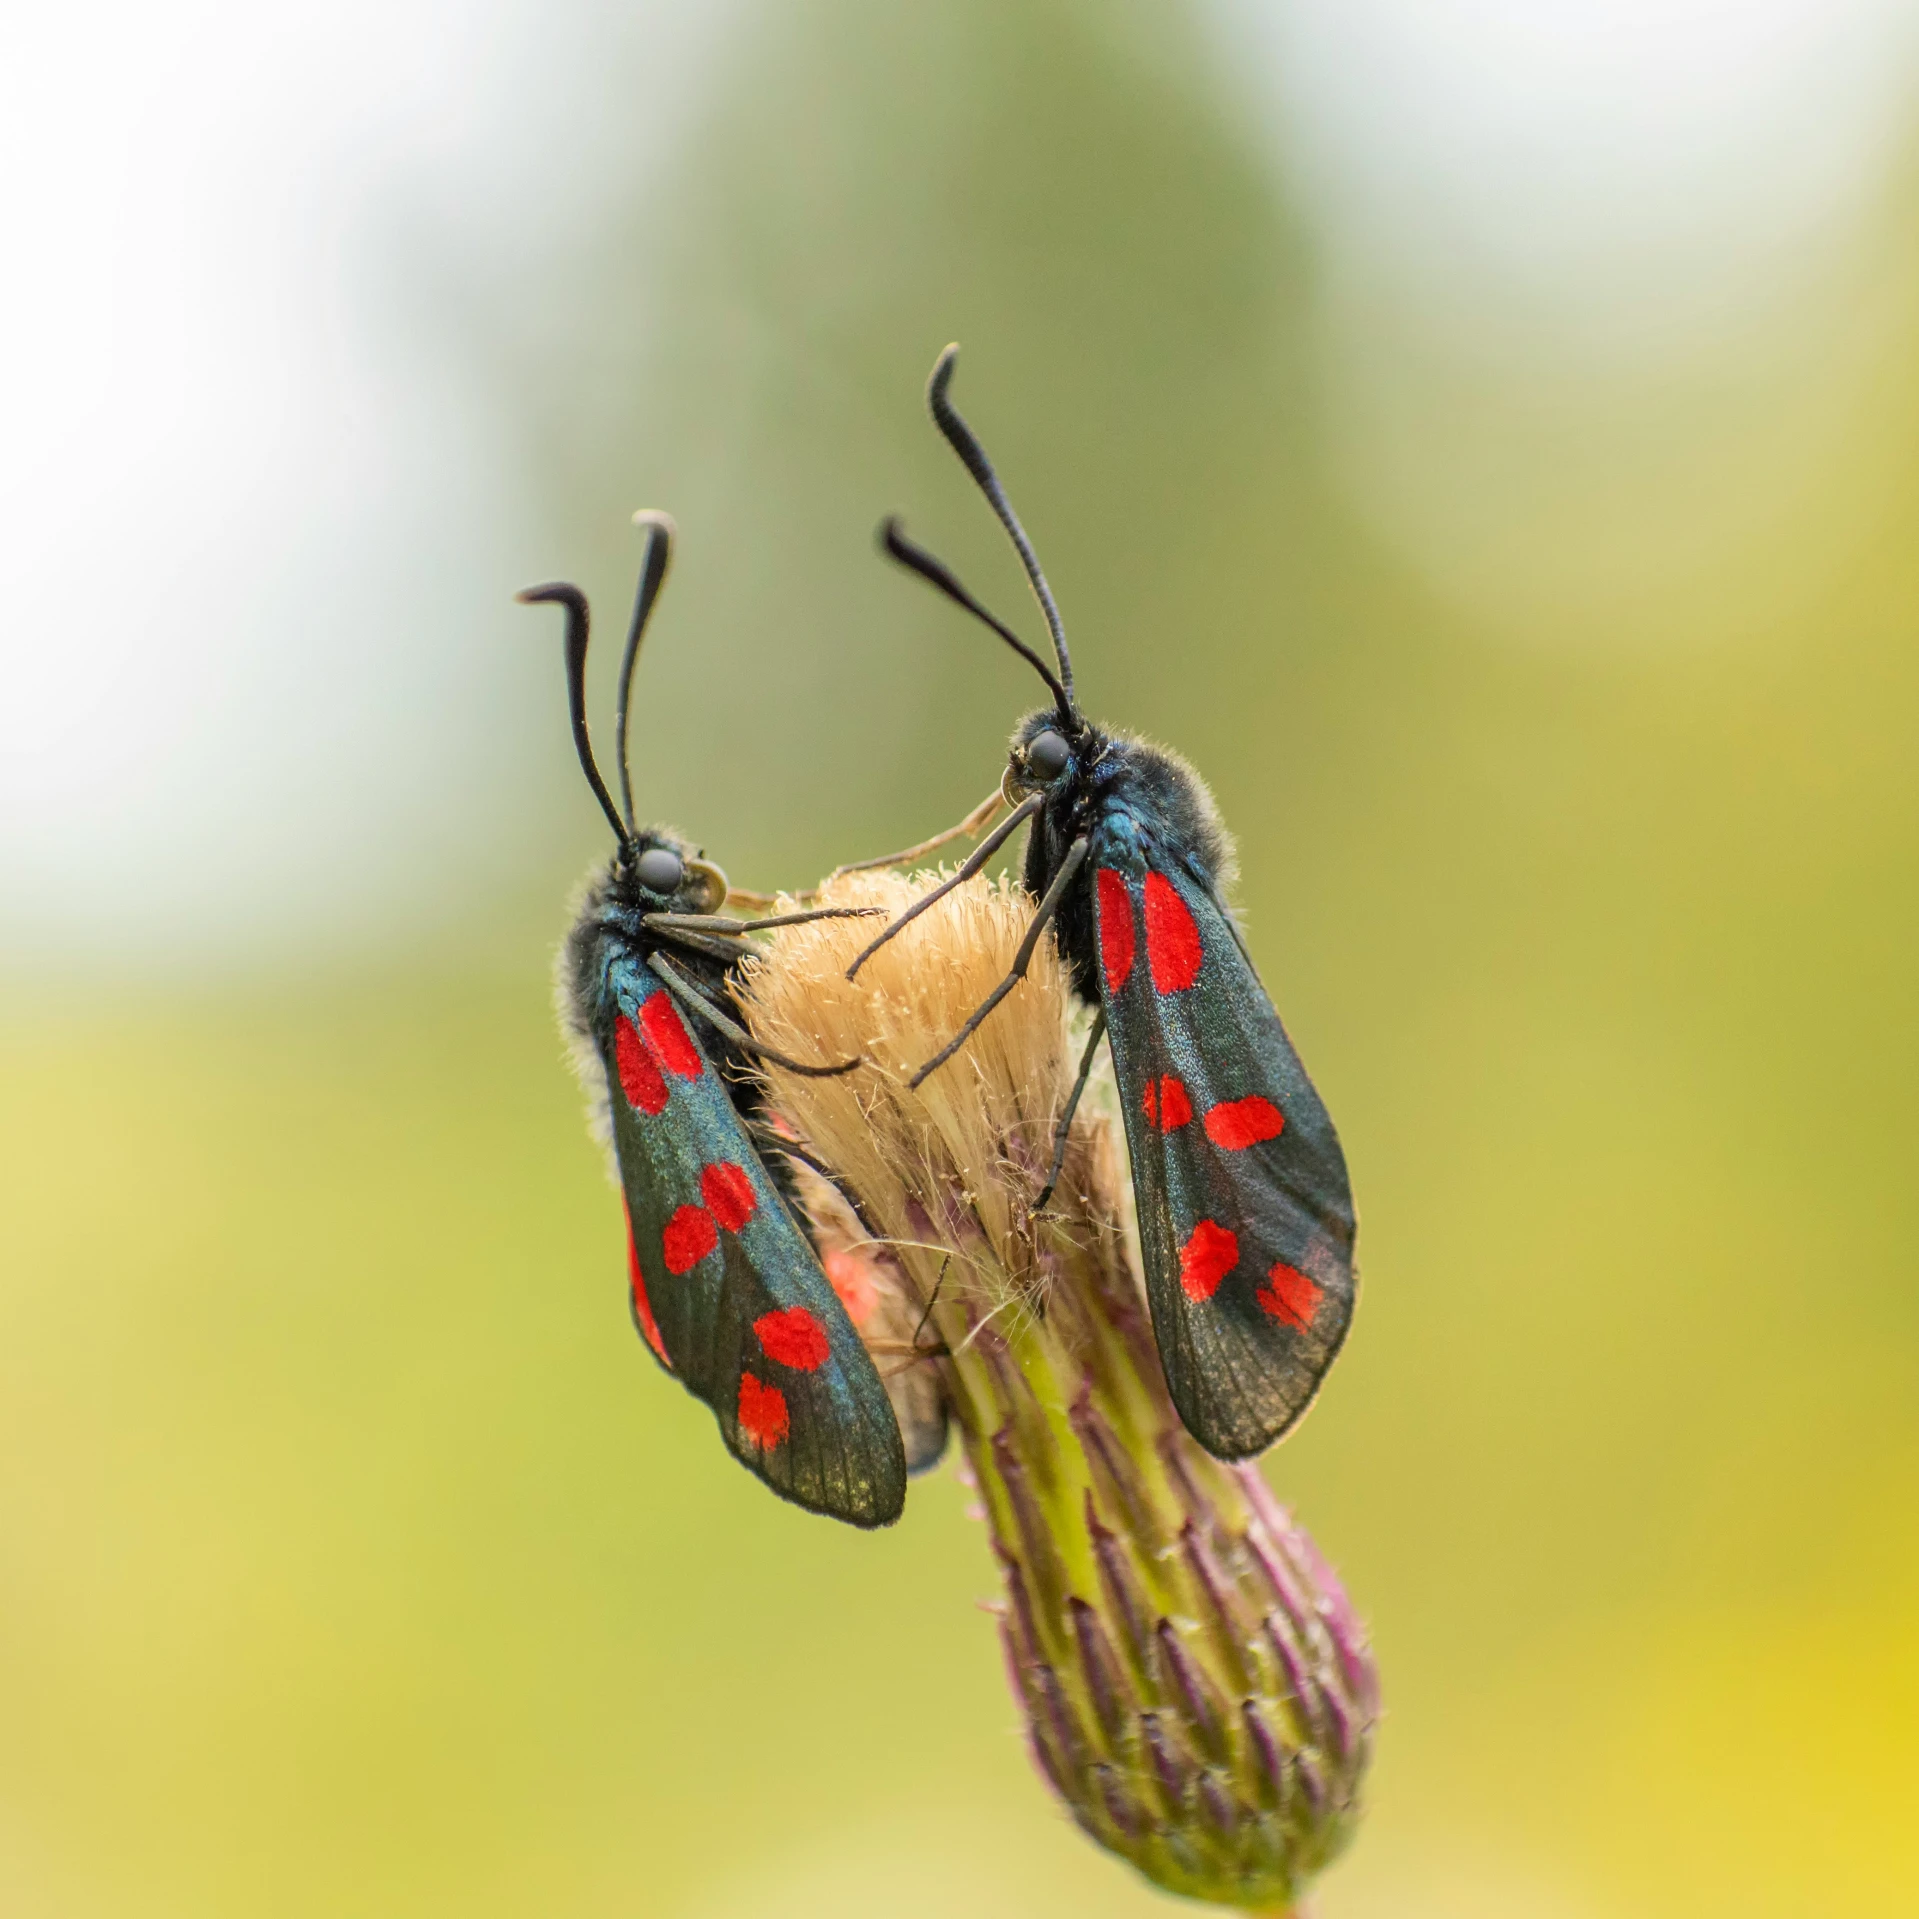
1195 1684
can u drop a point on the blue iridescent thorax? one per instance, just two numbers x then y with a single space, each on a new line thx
610 941
1134 802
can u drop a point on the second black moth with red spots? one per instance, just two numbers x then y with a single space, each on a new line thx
1245 1212
725 1285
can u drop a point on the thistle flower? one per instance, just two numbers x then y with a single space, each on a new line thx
1195 1685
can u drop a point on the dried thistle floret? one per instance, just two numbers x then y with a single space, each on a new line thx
1195 1685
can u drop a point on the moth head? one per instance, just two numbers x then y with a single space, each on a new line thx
1047 755
669 876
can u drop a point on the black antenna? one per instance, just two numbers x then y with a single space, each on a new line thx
559 593
917 559
660 532
959 436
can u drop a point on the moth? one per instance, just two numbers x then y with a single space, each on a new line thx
1245 1212
726 1287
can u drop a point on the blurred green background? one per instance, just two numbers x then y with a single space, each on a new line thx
1555 666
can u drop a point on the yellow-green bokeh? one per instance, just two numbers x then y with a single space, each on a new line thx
355 1559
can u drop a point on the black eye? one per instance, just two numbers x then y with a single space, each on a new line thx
1047 754
659 870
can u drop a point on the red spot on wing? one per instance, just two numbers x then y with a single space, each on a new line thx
1172 940
639 1071
1290 1297
1238 1123
1115 928
762 1412
854 1280
794 1338
690 1235
668 1037
1167 1103
728 1194
642 1306
1208 1256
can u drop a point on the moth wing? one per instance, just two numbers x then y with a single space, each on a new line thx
893 1324
919 1401
726 1288
873 1288
910 1369
800 1401
1245 1212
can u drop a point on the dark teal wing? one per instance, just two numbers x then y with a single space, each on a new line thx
727 1289
1245 1213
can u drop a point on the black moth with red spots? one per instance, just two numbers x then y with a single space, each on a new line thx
1245 1216
1245 1213
724 1284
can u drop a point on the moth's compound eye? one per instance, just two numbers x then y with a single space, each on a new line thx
659 870
1047 755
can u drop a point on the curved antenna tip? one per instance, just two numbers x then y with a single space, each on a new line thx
570 597
896 546
560 590
661 533
961 438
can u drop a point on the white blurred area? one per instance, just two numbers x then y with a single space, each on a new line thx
1604 296
258 659
260 687
1638 169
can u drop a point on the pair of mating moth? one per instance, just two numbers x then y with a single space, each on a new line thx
1244 1208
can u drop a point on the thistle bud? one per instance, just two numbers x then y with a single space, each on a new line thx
1195 1685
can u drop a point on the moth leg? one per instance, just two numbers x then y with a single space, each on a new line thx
720 924
771 1142
691 942
939 1347
1044 911
912 1355
690 996
965 830
747 897
978 858
1072 1106
913 1351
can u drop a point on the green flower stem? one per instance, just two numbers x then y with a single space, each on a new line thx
1195 1685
